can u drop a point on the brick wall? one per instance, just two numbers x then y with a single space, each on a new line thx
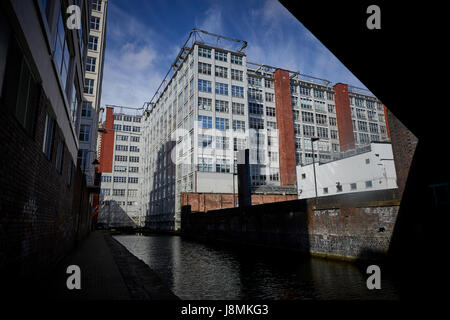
286 143
38 209
403 146
350 226
203 202
344 117
107 143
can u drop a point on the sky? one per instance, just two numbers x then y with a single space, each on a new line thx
144 37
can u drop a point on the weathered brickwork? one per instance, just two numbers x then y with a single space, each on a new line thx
353 228
203 202
38 208
403 146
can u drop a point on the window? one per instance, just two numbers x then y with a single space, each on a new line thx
238 108
204 103
204 141
220 55
373 127
61 53
239 144
305 91
204 52
332 121
105 192
118 169
134 159
222 143
97 5
136 129
221 88
119 192
255 108
363 138
367 161
134 169
359 102
237 91
135 139
95 23
136 119
338 187
204 68
222 165
120 147
270 97
333 134
270 112
222 124
20 90
222 106
325 190
331 108
204 85
322 132
271 125
362 126
369 184
254 81
121 158
308 131
238 125
254 94
134 149
236 59
308 117
303 176
205 122
221 72
120 137
60 156
132 192
318 93
297 129
126 128
268 83
84 132
321 119
90 64
256 123
88 86
237 75
204 164
120 179
133 180
274 174
117 117
93 43
86 109
127 118
360 113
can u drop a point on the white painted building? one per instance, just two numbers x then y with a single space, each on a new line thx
369 168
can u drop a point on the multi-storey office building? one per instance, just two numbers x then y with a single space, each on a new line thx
92 87
42 199
217 103
120 165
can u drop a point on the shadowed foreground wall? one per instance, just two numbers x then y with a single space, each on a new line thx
351 226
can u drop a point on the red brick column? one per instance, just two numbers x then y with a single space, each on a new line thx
387 122
285 125
344 117
107 143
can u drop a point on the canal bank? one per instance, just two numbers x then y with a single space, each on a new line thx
108 271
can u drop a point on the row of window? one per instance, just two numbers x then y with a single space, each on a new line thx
119 127
121 158
121 137
219 55
127 118
119 192
121 147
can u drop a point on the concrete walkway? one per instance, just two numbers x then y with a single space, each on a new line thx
108 272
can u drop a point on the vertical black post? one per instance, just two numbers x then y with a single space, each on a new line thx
244 191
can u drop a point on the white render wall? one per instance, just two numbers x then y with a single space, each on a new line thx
380 171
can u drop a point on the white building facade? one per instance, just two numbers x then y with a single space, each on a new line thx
371 168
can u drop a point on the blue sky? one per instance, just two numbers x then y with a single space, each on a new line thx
145 36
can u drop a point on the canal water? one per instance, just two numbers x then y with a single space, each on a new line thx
198 271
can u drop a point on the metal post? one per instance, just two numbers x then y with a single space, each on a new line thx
314 165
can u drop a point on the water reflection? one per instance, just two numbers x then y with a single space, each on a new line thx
197 271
